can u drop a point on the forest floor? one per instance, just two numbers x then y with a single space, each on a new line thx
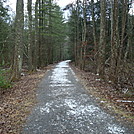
16 103
118 103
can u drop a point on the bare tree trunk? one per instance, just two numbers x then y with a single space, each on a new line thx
124 18
75 48
35 55
39 34
77 43
82 40
18 52
129 49
50 55
29 8
84 34
94 29
102 44
114 40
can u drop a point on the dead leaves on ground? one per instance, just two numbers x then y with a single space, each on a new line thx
109 97
16 103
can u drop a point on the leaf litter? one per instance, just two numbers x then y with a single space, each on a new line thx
111 99
17 102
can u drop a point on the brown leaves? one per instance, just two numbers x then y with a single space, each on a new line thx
16 103
107 94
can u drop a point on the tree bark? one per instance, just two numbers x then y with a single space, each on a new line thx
77 35
114 41
102 43
35 55
50 54
18 52
94 29
39 34
29 8
84 34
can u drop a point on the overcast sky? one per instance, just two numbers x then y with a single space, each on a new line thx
61 3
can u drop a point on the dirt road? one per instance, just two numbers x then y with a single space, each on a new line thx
65 107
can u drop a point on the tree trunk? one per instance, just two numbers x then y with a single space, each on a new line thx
114 41
35 54
129 48
39 34
84 34
124 18
102 43
50 55
94 29
77 33
18 52
29 8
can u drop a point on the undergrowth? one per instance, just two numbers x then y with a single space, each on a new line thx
4 79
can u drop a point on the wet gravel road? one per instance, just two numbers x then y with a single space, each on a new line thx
65 107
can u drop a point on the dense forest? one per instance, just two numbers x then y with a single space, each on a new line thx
101 37
97 37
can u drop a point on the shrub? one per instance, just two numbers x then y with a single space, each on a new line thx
4 82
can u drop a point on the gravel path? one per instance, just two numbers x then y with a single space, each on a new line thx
65 107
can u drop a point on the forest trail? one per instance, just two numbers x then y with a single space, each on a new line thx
65 107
